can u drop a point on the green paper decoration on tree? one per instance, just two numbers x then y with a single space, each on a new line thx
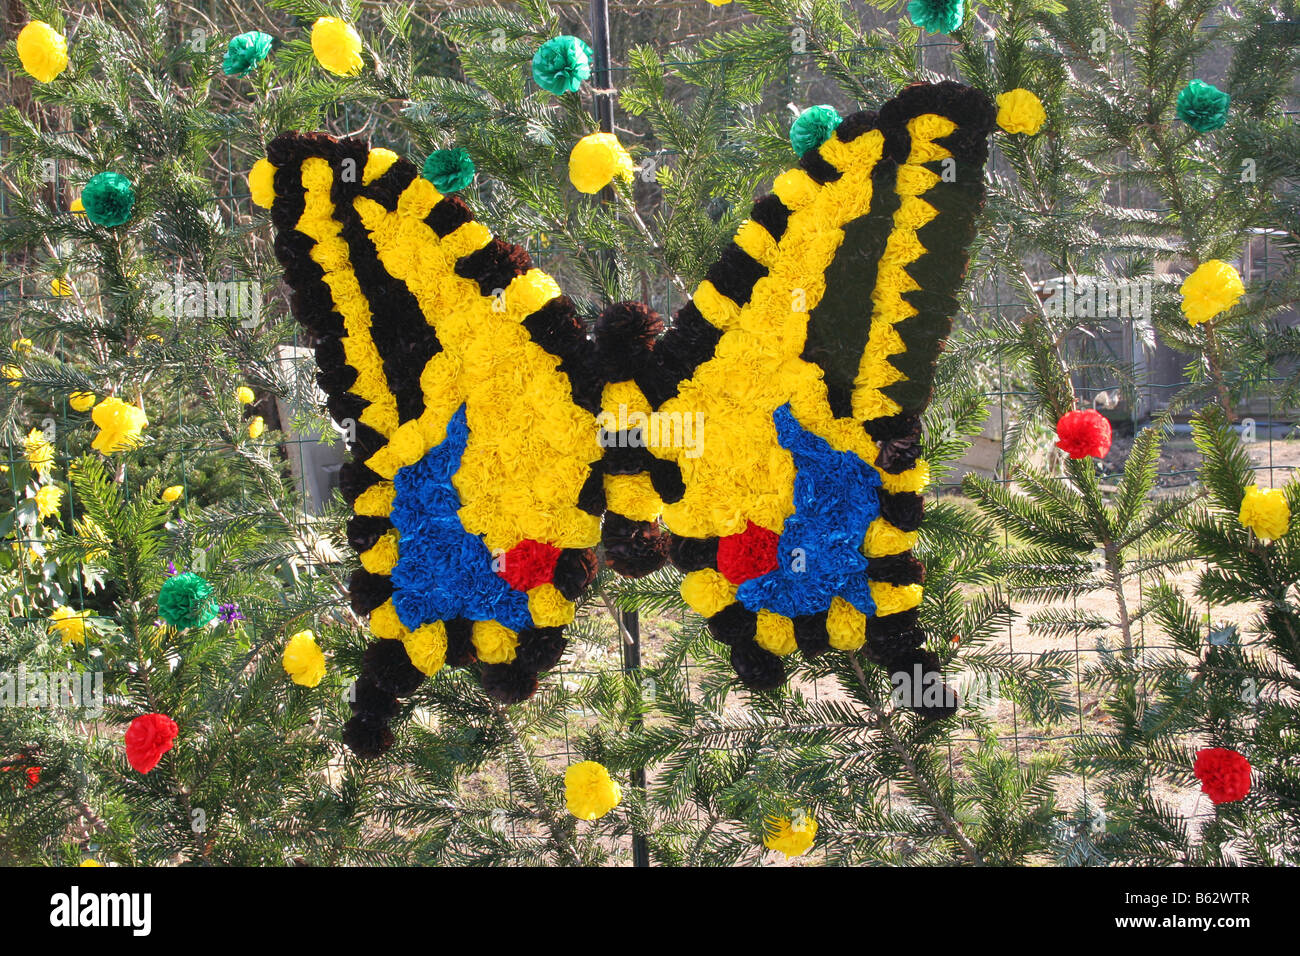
450 170
185 601
562 64
108 199
813 127
1203 106
937 16
246 51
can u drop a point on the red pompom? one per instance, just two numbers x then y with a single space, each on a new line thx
528 564
748 554
1083 434
1224 774
33 776
148 738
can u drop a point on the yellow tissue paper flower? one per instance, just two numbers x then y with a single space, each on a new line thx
39 452
793 838
77 206
846 626
1265 512
42 50
13 374
120 425
596 160
494 642
1213 287
256 426
304 661
70 625
244 394
261 183
1019 111
589 793
90 863
60 287
426 646
548 607
707 592
337 46
775 632
172 493
82 401
48 498
21 346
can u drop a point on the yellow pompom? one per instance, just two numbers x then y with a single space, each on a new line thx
1019 111
39 452
337 46
244 394
120 425
846 626
894 599
261 183
589 793
82 401
70 625
381 557
385 623
596 160
60 287
549 607
303 660
1265 512
494 642
77 206
13 374
1213 287
791 837
378 162
707 591
426 646
775 632
256 426
48 498
172 493
42 50
90 863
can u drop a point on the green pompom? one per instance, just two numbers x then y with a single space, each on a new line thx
1203 106
108 199
185 601
561 64
246 51
450 170
937 16
813 127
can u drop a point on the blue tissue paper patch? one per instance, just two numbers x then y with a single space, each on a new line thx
442 570
819 554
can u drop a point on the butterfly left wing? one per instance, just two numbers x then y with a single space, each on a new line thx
463 379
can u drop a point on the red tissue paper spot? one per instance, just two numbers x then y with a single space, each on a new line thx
148 738
1084 434
748 554
528 564
1224 774
33 776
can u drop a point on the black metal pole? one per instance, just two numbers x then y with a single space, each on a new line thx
631 623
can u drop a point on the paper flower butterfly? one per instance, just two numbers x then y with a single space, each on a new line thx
767 443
